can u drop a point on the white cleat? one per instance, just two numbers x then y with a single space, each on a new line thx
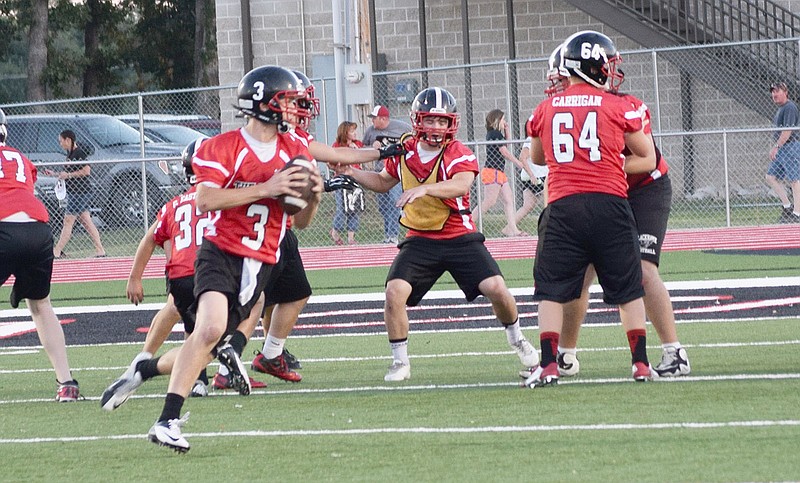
568 364
398 371
124 387
168 433
527 354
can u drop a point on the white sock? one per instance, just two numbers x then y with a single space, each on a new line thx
400 351
273 347
671 345
564 350
513 332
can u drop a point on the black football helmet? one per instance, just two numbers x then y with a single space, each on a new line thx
557 76
311 102
261 93
593 57
3 128
434 102
186 158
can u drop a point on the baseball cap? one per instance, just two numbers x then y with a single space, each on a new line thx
379 111
778 85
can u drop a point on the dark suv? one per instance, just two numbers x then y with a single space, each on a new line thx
118 195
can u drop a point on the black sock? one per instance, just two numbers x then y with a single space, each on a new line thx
203 376
238 341
173 404
148 368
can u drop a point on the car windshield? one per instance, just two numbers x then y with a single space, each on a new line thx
174 134
108 131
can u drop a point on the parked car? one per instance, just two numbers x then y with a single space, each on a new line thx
204 124
118 193
170 133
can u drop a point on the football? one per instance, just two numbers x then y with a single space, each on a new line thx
291 204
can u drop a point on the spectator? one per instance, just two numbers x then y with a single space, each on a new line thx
349 203
79 195
785 154
26 251
493 176
532 188
385 131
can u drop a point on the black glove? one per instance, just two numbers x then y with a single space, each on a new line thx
391 151
341 182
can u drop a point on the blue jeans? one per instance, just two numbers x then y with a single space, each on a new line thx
390 212
340 217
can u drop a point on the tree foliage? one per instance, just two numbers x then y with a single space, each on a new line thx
97 47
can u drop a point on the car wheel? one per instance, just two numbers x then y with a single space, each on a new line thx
126 206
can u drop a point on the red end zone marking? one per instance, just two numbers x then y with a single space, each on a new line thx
20 327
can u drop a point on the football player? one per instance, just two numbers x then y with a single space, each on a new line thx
178 229
240 175
436 176
26 251
650 198
580 134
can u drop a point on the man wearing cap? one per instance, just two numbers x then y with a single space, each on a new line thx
785 154
386 131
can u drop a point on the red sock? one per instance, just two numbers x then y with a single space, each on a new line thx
637 340
549 343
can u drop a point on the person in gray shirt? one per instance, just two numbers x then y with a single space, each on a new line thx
385 131
785 154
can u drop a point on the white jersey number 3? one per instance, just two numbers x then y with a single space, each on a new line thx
564 143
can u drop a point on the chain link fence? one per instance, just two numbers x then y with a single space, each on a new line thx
710 104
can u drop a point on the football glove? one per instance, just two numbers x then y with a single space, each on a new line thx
391 151
341 182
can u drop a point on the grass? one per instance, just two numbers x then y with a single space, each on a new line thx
461 417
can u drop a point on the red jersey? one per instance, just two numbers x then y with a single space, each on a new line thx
17 176
582 130
641 179
183 226
254 230
456 158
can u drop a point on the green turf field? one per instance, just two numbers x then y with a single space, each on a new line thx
462 416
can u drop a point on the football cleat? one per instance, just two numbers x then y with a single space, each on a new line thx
168 433
674 362
527 354
277 367
199 389
398 371
643 372
543 376
224 382
291 361
124 387
568 364
68 391
237 372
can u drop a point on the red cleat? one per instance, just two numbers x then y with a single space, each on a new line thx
275 367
